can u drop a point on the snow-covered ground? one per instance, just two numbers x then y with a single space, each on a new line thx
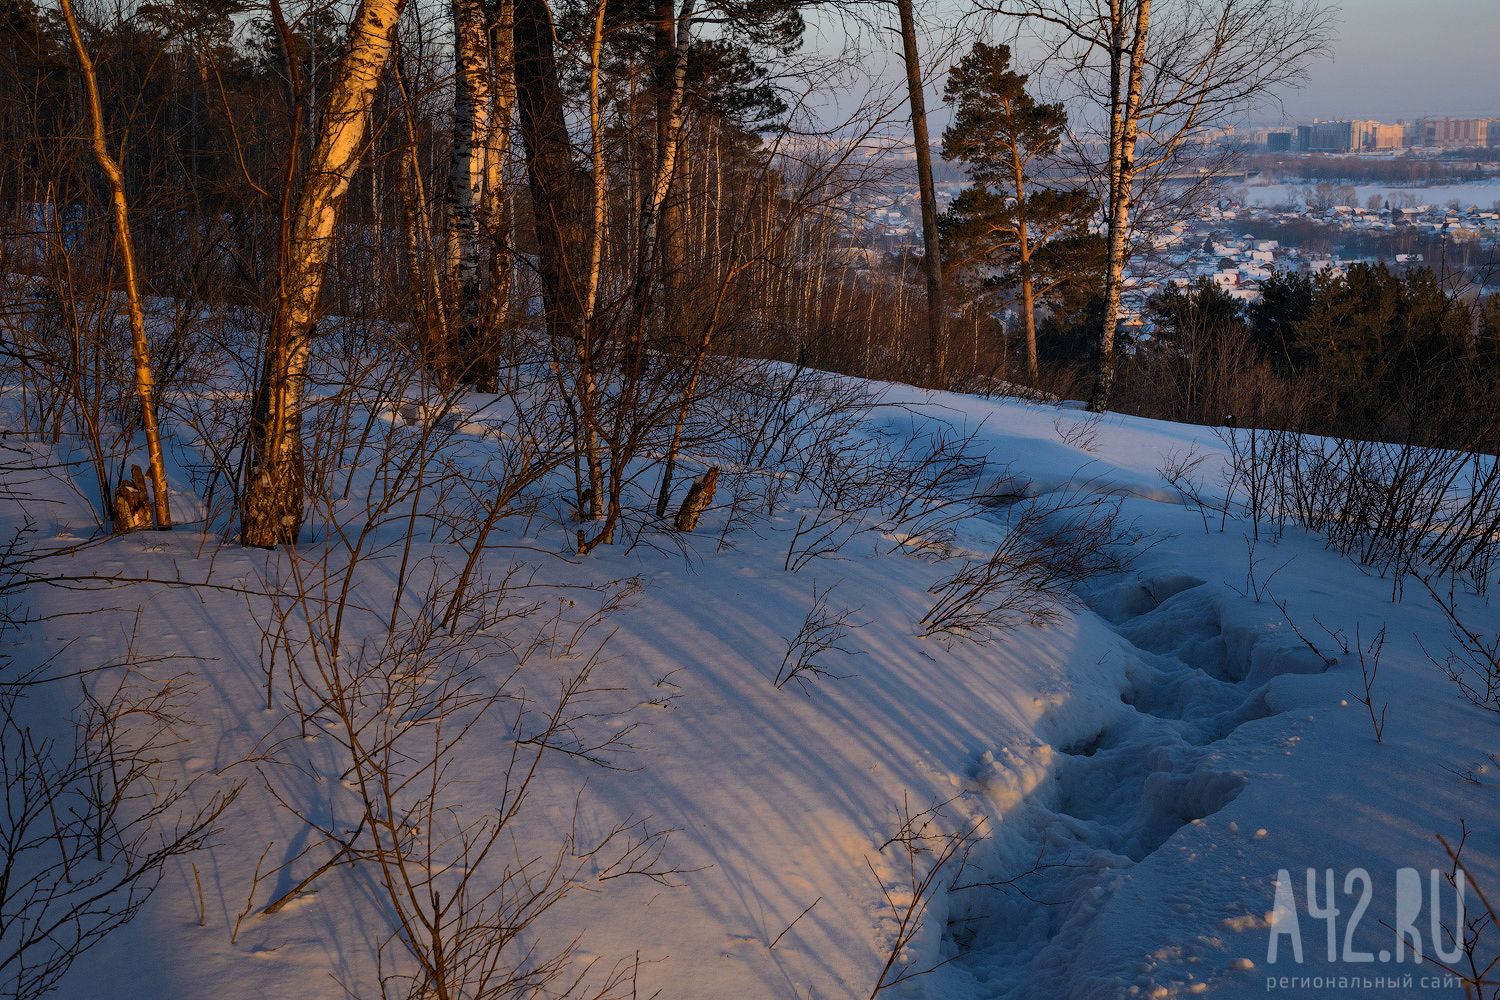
1143 766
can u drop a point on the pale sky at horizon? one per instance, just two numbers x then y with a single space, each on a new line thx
1390 60
1404 59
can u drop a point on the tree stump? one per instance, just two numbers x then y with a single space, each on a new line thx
699 496
132 503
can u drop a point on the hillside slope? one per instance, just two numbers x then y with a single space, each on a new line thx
1134 772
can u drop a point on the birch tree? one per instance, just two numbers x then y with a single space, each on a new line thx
466 174
272 511
145 379
1127 68
1161 76
496 211
478 252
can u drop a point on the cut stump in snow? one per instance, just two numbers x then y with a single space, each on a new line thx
699 496
132 503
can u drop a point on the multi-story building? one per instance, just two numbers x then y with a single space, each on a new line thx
1378 135
1327 137
1456 133
1358 130
1361 135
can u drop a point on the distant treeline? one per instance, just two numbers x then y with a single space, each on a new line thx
1472 165
1370 352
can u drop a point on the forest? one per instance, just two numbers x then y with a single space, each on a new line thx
450 453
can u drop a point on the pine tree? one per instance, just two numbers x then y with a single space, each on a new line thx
1286 299
1489 329
1005 227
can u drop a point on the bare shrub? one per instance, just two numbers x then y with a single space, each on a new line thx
1182 472
1369 671
69 353
1472 660
461 889
784 421
928 845
1053 384
1479 958
1053 543
1257 581
1285 608
823 631
795 434
1400 508
406 692
1079 433
910 486
88 831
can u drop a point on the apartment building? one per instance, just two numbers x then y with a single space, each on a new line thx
1368 135
1326 137
1456 133
1378 135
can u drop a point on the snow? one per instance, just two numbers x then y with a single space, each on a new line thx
1481 193
1152 758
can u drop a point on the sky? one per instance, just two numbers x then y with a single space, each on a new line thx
1390 60
1406 59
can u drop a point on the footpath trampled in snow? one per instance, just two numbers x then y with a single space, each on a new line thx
1144 766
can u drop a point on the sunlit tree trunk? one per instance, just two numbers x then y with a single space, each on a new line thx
601 191
466 180
495 215
1023 260
931 251
1127 68
145 380
274 491
671 65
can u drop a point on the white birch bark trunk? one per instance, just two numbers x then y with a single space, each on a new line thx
596 137
1124 128
467 178
670 133
272 511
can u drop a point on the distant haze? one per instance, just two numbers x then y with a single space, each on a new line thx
1390 59
1405 59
